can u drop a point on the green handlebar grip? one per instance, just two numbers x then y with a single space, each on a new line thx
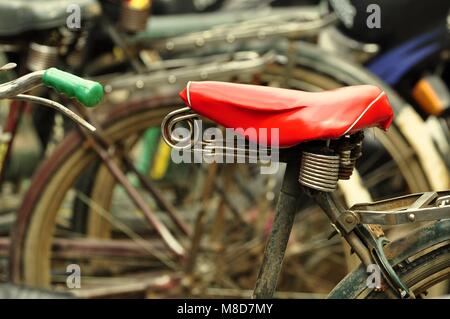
89 93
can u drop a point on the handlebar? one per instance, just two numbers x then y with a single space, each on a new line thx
88 93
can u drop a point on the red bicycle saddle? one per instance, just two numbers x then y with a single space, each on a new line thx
299 116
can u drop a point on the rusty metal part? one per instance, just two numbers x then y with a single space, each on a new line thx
348 221
288 202
322 168
368 248
346 164
133 19
377 230
334 210
411 208
398 252
426 206
376 248
171 242
349 150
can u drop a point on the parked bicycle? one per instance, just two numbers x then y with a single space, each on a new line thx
44 240
317 156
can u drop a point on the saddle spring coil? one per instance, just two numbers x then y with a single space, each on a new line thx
346 164
180 116
320 171
348 159
209 148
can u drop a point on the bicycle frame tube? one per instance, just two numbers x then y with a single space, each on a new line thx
364 241
291 195
288 202
100 145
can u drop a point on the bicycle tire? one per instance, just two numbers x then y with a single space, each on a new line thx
35 224
421 259
103 185
18 259
397 146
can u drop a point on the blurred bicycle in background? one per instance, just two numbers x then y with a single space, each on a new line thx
135 222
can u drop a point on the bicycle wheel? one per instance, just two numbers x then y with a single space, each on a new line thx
421 259
393 147
40 250
25 261
32 239
398 169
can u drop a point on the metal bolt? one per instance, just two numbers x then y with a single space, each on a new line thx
230 38
199 42
108 88
411 217
140 84
172 79
204 75
170 45
270 196
350 219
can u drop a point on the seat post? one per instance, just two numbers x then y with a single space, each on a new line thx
288 202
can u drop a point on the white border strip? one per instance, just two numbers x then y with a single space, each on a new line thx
362 114
188 94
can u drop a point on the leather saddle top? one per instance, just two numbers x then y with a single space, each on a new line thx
299 116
